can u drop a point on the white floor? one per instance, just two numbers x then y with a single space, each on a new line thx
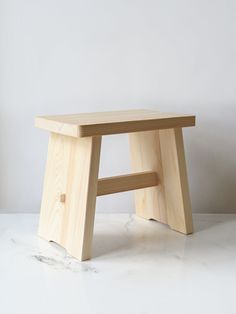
138 267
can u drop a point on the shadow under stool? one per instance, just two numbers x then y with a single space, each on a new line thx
71 182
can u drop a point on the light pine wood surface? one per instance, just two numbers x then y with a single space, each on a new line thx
126 182
146 156
104 123
169 202
179 211
71 182
71 171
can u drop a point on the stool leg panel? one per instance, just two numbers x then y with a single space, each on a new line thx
178 203
146 156
71 172
82 192
162 151
52 210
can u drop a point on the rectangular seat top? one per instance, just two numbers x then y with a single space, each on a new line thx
113 122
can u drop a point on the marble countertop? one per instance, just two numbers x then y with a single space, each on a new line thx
138 267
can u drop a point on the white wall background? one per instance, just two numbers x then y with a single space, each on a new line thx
77 56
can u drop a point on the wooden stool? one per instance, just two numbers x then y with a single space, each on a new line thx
71 180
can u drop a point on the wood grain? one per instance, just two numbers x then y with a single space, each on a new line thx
178 203
113 122
146 156
126 182
163 152
71 180
72 170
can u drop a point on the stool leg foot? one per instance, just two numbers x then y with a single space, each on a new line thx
163 151
69 196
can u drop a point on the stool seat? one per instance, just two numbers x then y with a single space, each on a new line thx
113 122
